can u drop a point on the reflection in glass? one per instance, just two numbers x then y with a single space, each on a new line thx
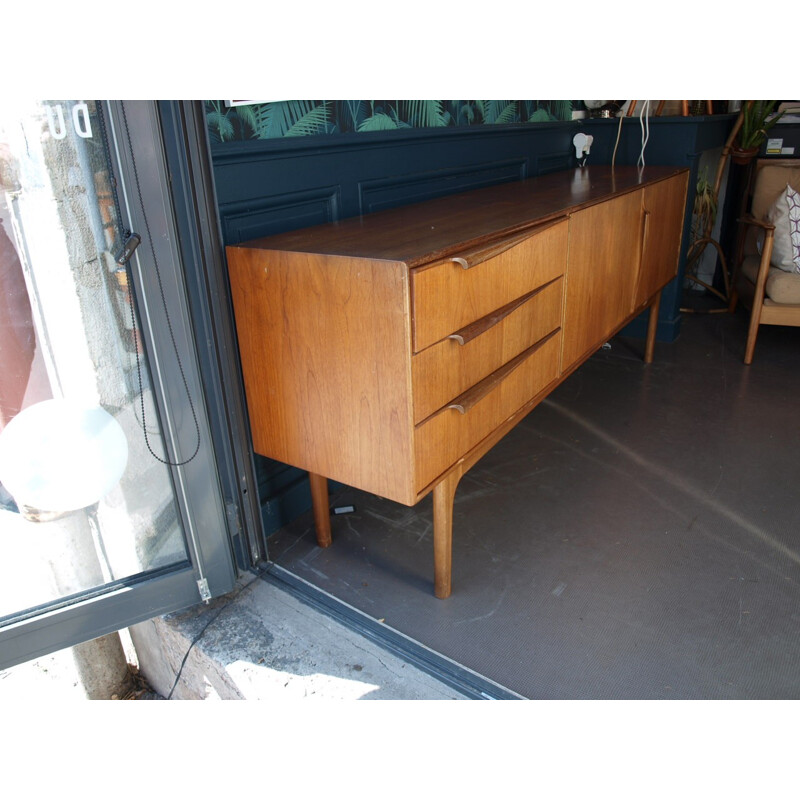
67 342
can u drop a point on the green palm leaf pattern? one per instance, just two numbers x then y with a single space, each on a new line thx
349 114
378 122
424 113
219 124
247 115
292 118
497 112
277 119
562 110
313 122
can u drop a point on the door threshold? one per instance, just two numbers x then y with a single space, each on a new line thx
458 677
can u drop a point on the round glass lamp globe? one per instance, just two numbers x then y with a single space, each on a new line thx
59 455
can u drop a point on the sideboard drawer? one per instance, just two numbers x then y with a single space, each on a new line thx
448 435
454 292
450 367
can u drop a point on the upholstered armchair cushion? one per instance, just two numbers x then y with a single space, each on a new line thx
770 203
770 185
781 287
771 293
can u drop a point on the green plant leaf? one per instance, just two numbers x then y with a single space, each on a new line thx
276 119
497 112
247 116
755 124
351 114
377 122
423 113
313 122
505 114
220 123
562 110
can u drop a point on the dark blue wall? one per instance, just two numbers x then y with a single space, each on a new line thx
266 187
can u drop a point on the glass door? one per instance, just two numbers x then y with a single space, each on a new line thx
111 509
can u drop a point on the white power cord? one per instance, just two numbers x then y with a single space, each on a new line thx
616 144
644 123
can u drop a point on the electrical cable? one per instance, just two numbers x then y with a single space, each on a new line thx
644 124
616 144
125 234
223 607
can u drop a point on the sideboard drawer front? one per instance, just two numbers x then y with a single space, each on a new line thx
450 434
455 292
448 368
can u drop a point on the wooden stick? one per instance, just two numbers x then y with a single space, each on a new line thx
726 151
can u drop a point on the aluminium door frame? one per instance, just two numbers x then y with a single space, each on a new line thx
210 487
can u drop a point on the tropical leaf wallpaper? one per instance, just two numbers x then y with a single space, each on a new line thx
228 122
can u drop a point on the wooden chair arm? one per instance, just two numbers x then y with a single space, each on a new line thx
766 258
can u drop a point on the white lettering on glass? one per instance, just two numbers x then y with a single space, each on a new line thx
81 122
56 132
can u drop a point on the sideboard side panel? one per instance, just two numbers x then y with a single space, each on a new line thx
325 344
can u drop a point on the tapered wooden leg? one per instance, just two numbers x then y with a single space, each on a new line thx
752 332
652 328
321 505
443 497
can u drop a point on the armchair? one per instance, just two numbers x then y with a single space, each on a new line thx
767 262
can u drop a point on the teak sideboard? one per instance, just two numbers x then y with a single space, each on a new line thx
391 351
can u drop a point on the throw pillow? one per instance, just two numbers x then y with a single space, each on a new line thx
785 216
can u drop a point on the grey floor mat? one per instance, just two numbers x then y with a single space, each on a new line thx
636 537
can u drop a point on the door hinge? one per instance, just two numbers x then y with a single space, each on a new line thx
205 592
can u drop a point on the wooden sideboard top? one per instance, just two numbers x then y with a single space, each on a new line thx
419 233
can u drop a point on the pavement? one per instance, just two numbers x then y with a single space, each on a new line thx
259 642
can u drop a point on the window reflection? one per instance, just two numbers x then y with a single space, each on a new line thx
66 334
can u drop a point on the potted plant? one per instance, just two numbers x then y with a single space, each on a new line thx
753 130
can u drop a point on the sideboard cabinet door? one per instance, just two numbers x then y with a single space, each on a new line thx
602 273
663 206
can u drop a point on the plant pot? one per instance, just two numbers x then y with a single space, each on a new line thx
739 156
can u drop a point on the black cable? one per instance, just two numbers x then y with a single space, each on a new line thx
126 234
202 633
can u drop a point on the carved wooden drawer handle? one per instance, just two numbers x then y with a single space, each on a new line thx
477 255
475 394
475 329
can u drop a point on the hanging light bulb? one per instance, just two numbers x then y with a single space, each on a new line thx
59 456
